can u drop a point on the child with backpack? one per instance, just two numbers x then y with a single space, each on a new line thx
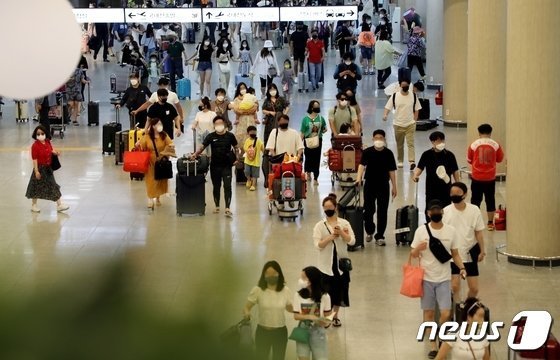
253 148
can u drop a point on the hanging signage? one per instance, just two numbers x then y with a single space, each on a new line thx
235 14
163 15
99 15
319 13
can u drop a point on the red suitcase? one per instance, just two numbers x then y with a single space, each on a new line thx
340 141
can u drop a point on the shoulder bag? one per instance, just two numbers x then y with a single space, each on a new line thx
163 168
251 151
55 162
301 333
278 158
271 69
313 142
437 248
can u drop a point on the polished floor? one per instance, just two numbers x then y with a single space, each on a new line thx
181 266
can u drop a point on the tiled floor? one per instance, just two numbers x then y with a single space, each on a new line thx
178 262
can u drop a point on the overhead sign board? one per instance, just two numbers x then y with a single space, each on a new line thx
319 13
264 14
163 15
99 15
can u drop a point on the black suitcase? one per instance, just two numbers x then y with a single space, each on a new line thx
109 134
240 177
424 113
121 145
93 111
425 125
349 208
199 166
190 186
407 221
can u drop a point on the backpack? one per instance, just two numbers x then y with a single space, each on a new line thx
413 105
251 151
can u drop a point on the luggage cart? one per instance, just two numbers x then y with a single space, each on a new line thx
344 165
56 115
286 195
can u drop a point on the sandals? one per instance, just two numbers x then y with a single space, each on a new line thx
216 211
336 322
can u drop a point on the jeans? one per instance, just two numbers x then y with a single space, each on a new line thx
315 74
400 134
383 75
271 339
219 174
376 193
416 60
317 345
176 69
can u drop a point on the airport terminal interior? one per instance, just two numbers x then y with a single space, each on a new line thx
206 265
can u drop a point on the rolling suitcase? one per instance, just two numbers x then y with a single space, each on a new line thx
121 145
425 125
407 221
424 113
93 110
133 137
190 187
109 132
184 88
350 208
240 177
303 81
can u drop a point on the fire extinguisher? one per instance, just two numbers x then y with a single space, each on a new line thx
439 97
500 218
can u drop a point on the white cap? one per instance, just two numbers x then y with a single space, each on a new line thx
268 44
442 174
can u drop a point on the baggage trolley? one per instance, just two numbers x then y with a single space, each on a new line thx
286 195
344 165
56 115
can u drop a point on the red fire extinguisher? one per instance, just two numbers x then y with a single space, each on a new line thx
439 97
500 218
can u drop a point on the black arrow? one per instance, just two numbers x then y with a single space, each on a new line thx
131 15
209 15
351 12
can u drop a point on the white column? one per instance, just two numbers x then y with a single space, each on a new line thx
433 23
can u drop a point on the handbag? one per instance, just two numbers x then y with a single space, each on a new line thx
136 161
413 277
163 168
300 334
236 335
437 248
271 69
312 142
403 61
55 162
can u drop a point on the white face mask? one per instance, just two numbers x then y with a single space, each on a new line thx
41 137
220 98
348 62
130 47
225 46
159 128
206 43
302 283
273 92
343 103
243 91
153 61
127 41
219 128
379 144
440 146
133 82
382 22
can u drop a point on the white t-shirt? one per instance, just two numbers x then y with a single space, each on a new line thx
271 305
246 27
289 141
160 32
460 349
172 98
435 271
204 121
465 222
404 108
303 306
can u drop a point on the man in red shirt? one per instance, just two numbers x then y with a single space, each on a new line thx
315 52
483 154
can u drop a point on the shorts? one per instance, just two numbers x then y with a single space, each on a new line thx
470 267
204 65
252 171
299 56
439 292
486 188
317 345
74 96
367 53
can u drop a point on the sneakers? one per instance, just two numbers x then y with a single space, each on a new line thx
62 207
400 165
381 87
412 166
248 184
490 227
295 81
252 188
380 242
369 238
35 209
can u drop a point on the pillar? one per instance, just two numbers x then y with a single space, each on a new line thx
486 69
533 128
455 62
433 24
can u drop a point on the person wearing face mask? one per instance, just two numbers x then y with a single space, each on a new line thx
315 54
253 149
166 113
284 140
344 38
384 26
203 123
343 113
377 168
437 275
384 52
223 145
42 184
438 186
331 238
347 74
265 66
221 106
174 59
366 41
354 104
134 97
273 106
119 32
172 98
204 51
324 31
406 107
246 33
312 308
128 47
298 41
154 70
244 117
313 125
224 54
245 59
273 299
474 314
467 220
159 144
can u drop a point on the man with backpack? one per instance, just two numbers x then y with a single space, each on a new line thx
406 106
342 114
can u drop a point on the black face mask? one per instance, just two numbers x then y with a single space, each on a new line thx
283 126
329 213
253 136
317 110
455 199
163 100
314 36
436 217
200 107
405 88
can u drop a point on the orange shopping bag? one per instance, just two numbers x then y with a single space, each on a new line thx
412 280
136 161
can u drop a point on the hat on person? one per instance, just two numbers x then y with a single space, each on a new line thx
268 44
442 174
417 30
434 204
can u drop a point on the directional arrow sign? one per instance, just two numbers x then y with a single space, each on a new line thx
213 15
164 15
318 13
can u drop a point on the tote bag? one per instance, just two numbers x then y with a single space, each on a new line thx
136 161
412 280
